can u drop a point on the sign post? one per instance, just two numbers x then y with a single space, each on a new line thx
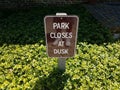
61 63
61 36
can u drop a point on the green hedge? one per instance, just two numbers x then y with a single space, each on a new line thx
24 64
28 67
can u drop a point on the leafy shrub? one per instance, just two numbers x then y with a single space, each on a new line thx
21 66
28 67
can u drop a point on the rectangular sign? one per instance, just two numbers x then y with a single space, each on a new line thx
61 35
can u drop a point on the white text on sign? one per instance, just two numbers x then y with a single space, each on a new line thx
61 35
60 51
64 35
62 25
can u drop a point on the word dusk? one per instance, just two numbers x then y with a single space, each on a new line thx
60 51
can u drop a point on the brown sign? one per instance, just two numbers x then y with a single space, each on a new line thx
61 34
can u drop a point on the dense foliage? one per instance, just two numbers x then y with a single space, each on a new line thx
24 64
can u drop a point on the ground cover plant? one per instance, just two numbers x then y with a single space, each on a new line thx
24 64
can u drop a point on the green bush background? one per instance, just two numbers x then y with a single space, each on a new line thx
24 64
